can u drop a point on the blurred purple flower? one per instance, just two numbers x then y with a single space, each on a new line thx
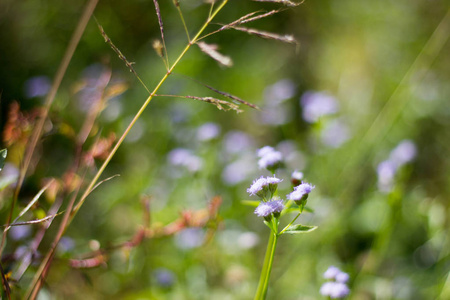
238 171
275 115
334 290
164 277
189 238
342 277
264 150
279 91
237 141
19 232
66 244
270 159
208 131
8 176
37 86
337 287
316 105
247 240
404 152
184 157
335 133
386 172
297 175
331 273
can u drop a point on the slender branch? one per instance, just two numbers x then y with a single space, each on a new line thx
287 226
177 5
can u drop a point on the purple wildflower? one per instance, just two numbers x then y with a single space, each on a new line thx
335 133
37 86
331 273
266 209
334 290
184 157
264 150
342 277
301 192
208 131
270 160
316 105
386 172
404 152
257 186
164 277
279 91
235 142
189 238
262 186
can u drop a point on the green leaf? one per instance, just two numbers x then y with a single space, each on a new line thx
298 228
254 203
3 153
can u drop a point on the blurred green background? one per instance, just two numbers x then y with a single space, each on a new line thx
381 65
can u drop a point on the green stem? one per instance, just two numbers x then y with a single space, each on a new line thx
287 226
267 266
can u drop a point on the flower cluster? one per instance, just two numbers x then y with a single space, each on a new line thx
300 193
267 209
336 288
269 158
264 187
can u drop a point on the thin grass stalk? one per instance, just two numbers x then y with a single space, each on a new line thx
161 28
37 132
177 5
39 276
